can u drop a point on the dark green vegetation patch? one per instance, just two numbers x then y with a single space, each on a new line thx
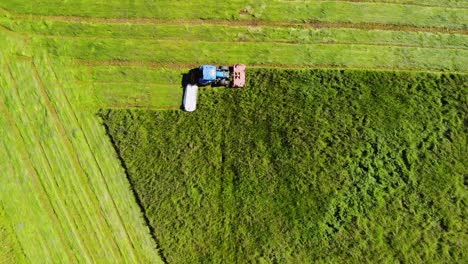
306 165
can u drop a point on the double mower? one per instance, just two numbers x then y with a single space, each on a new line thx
216 76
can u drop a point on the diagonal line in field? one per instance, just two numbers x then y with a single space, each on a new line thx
49 170
90 151
42 193
76 162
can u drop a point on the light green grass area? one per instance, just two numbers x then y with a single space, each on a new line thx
337 55
297 11
447 3
10 250
162 96
207 32
68 201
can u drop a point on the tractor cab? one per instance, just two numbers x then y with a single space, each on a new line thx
207 74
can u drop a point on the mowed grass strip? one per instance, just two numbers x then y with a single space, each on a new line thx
105 75
98 190
93 223
36 161
10 249
96 153
338 55
225 33
437 3
323 11
85 204
138 95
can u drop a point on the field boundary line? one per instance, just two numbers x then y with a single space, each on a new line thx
26 157
132 243
251 23
76 162
188 66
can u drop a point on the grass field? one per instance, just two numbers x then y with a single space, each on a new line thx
65 197
345 166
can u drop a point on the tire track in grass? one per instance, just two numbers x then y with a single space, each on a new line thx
75 160
96 163
249 23
44 196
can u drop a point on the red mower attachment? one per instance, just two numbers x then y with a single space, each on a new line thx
238 76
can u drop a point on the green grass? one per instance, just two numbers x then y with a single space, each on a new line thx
322 11
456 3
306 166
10 250
64 196
208 32
118 95
65 199
336 55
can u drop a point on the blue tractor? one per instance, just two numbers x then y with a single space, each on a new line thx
209 74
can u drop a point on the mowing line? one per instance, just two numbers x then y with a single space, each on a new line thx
379 2
357 43
36 181
36 178
237 23
77 164
48 171
187 66
132 243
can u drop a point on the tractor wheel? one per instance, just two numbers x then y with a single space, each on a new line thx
224 68
226 83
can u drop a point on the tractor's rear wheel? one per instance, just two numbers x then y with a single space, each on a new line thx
224 82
